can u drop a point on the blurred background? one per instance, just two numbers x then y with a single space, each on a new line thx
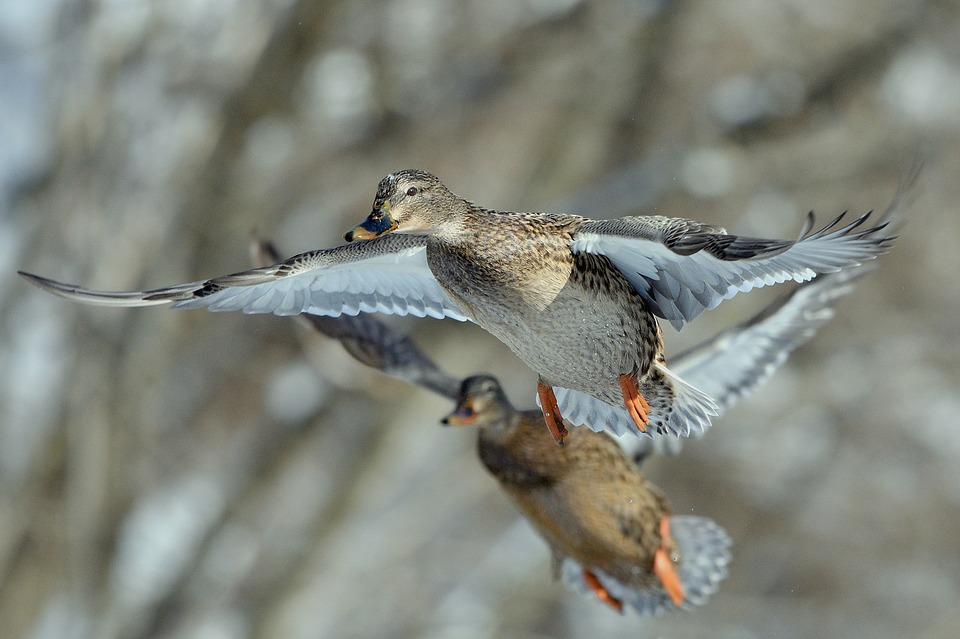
191 475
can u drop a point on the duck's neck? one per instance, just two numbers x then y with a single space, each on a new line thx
520 452
463 223
501 424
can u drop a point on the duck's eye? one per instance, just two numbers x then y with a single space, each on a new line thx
412 191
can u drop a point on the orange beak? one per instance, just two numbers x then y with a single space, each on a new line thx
463 416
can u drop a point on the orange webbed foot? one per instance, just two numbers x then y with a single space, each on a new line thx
551 412
636 405
663 567
602 593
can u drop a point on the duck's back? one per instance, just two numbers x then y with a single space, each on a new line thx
586 498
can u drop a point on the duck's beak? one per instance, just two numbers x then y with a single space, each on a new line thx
378 223
463 416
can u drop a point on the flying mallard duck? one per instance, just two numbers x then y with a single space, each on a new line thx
611 531
576 299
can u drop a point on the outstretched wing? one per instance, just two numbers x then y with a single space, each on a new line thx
387 275
737 361
682 268
371 342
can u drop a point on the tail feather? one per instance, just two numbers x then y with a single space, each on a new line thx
677 408
704 556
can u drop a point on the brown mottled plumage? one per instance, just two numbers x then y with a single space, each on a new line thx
594 508
572 317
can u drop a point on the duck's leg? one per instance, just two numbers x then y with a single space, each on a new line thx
663 566
551 412
636 405
602 593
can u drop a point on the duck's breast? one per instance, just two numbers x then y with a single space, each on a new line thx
573 318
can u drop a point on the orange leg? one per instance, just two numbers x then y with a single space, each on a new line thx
602 593
663 567
636 405
551 412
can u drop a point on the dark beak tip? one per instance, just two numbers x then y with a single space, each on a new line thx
348 236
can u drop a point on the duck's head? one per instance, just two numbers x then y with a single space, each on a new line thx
482 402
409 201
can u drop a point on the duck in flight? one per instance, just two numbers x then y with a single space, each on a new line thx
612 532
578 300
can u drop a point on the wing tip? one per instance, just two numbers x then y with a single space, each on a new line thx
99 298
36 280
60 289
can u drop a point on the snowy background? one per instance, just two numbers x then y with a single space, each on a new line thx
190 475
